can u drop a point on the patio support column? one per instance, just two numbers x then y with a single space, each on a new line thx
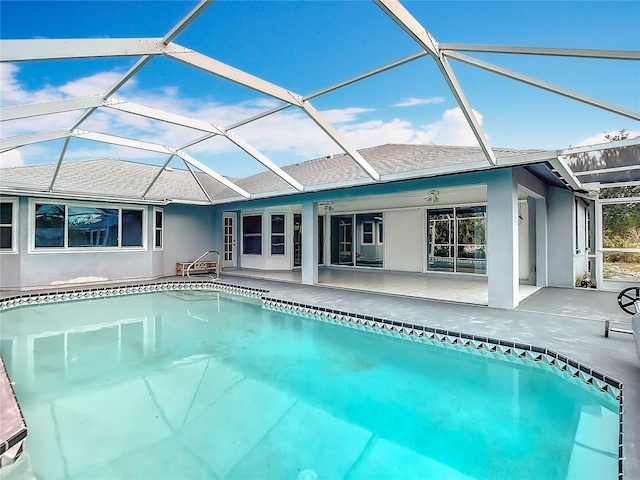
502 239
561 233
541 242
309 243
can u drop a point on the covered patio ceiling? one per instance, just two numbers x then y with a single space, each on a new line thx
145 50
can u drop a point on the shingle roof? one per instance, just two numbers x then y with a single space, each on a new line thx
385 159
125 179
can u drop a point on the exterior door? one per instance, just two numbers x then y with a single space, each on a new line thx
229 247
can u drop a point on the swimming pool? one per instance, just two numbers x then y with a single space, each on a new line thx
187 384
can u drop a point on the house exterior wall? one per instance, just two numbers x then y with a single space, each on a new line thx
191 230
404 240
188 233
29 267
560 233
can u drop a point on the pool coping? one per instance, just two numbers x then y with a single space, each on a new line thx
487 346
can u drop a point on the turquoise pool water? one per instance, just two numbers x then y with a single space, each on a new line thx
209 385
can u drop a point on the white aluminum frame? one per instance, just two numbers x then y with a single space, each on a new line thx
148 48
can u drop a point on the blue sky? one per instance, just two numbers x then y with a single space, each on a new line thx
305 46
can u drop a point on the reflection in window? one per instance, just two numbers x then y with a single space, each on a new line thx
369 251
157 228
252 235
6 225
92 227
50 220
277 234
362 231
131 228
297 239
79 226
342 240
457 240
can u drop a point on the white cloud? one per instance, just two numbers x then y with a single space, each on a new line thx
95 84
285 137
419 101
9 159
451 129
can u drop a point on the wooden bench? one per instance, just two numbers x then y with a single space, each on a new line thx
204 266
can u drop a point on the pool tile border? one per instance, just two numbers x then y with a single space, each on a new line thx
482 345
104 292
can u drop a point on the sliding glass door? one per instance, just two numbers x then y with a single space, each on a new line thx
457 240
342 240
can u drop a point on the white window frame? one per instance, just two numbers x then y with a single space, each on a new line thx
14 225
66 248
454 245
373 233
284 234
156 228
261 235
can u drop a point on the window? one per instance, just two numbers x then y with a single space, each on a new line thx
356 240
367 233
158 228
7 225
92 227
82 226
132 228
252 235
456 241
277 234
50 221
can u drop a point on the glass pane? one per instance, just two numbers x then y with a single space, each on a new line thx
277 234
368 251
6 213
277 223
320 240
297 239
92 227
277 244
252 224
624 266
158 219
342 240
440 240
471 259
158 238
49 225
5 237
252 245
621 225
252 234
131 228
471 237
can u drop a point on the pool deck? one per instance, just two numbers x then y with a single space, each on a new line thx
569 321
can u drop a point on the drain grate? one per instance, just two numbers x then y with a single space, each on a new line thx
307 475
